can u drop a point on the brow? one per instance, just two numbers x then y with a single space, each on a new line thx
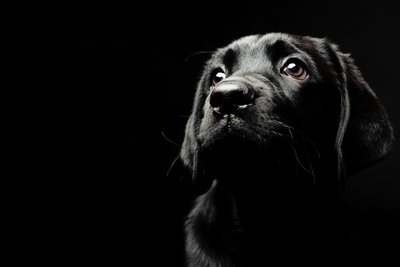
229 58
280 49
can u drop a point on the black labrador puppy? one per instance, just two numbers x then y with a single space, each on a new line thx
278 123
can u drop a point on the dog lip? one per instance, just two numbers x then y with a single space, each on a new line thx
229 122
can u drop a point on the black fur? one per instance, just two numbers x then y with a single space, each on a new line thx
272 152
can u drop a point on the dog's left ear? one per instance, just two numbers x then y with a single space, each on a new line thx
365 134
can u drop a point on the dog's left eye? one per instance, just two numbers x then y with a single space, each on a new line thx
218 76
295 68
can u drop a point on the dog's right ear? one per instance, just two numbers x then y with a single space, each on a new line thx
190 147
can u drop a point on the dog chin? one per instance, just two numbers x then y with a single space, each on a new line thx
230 134
238 148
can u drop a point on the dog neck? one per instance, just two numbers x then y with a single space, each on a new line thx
243 208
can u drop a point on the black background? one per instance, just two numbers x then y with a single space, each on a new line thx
112 89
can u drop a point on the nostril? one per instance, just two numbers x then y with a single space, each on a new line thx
228 97
242 97
216 98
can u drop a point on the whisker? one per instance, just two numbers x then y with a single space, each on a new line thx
296 155
304 137
298 159
172 164
309 171
195 166
312 172
169 140
196 54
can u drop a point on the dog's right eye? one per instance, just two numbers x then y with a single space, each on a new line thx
217 76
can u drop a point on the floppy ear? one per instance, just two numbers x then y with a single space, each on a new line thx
190 148
365 133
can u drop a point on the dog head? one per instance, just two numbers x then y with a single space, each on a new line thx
263 96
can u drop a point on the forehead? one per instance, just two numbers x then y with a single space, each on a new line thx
272 46
261 41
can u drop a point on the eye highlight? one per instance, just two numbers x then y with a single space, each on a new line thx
217 76
295 68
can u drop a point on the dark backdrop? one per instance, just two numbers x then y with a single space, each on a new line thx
113 87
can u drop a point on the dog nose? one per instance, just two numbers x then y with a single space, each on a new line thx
227 98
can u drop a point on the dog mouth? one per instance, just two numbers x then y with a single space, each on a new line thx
233 139
233 149
229 126
228 132
233 132
239 159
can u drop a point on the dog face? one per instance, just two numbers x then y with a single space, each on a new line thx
263 96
